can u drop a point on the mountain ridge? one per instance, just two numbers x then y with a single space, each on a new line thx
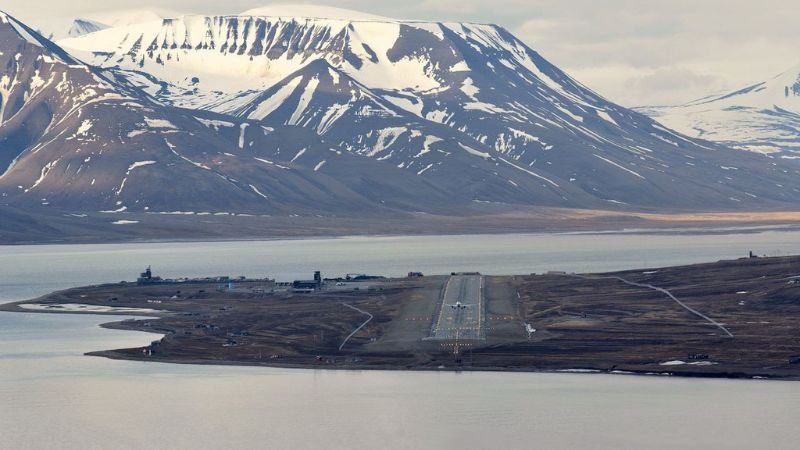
762 117
469 120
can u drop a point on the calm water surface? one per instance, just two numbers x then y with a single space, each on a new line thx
52 397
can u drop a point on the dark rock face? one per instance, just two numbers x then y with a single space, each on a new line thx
349 117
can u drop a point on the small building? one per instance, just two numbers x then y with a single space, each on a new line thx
308 285
147 277
305 284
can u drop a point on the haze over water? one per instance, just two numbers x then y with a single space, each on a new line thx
53 397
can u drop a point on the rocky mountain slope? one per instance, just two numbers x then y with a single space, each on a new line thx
76 138
763 117
261 113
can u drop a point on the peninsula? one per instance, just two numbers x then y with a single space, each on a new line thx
734 319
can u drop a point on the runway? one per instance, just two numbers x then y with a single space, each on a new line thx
461 316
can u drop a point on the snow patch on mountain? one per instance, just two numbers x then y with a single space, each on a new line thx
385 139
86 125
305 99
259 193
268 106
469 88
474 152
634 173
159 124
299 154
139 164
426 146
216 124
46 169
607 117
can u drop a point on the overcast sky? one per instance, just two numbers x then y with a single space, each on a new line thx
635 52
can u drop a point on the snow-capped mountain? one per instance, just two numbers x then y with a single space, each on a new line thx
271 113
74 137
82 27
763 117
68 133
412 94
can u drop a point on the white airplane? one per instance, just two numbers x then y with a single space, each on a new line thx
459 305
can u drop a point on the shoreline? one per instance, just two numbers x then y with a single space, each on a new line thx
659 231
113 355
99 228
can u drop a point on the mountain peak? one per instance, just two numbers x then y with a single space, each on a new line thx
32 37
763 117
21 29
309 11
84 26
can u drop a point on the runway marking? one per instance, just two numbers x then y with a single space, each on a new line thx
444 299
467 320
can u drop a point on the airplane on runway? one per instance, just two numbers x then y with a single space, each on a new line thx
459 305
